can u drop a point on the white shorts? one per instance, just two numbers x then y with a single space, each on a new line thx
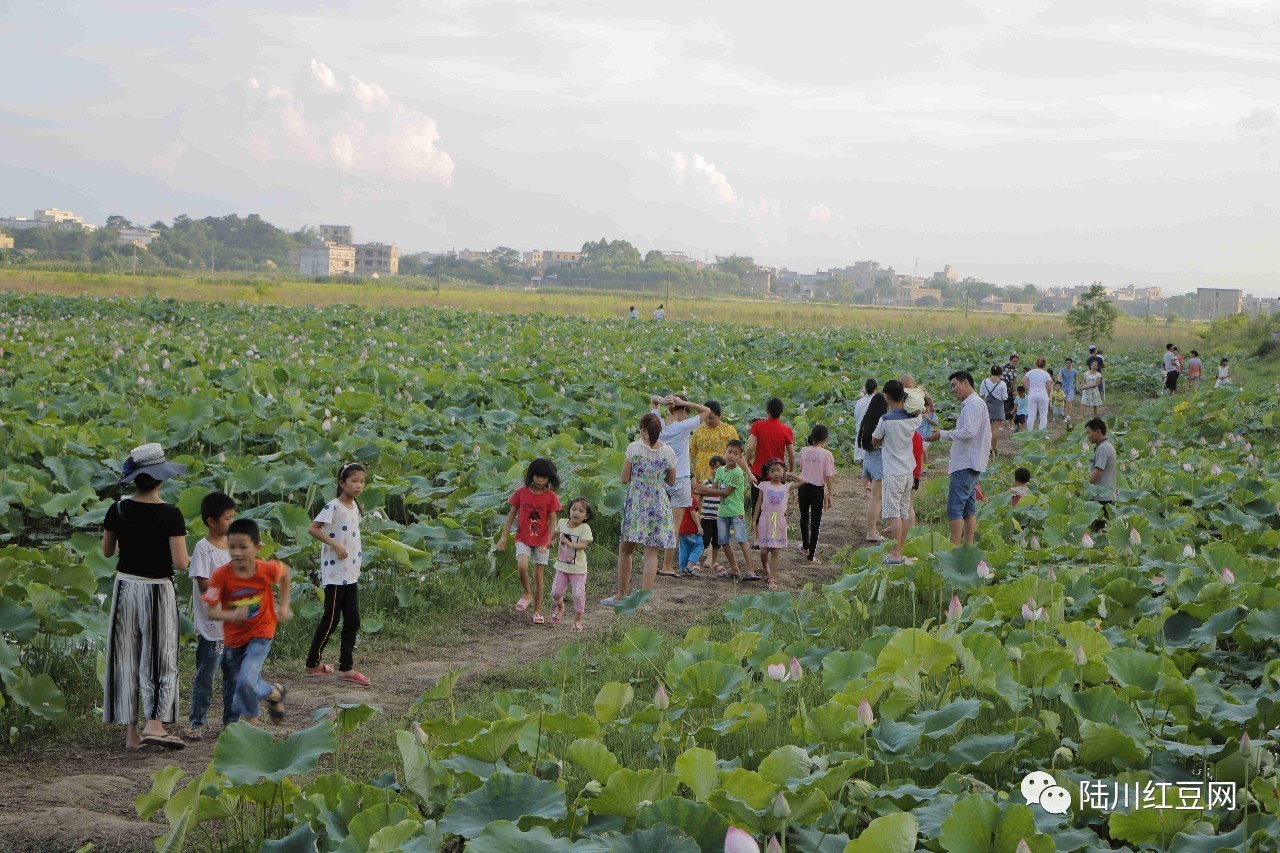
540 555
895 496
680 494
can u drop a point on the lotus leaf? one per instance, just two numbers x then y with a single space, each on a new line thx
895 833
246 753
516 797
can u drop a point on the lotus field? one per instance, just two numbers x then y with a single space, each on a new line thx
895 708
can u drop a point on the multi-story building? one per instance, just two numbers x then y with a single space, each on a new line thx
1215 302
63 220
6 242
551 258
340 234
533 259
1264 305
377 258
325 258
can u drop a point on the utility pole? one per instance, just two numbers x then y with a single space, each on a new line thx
135 259
439 261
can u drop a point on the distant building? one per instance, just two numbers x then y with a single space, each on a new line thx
1215 302
322 258
6 242
1136 293
683 259
995 303
379 258
946 274
340 234
1264 305
62 220
533 259
560 258
758 281
141 237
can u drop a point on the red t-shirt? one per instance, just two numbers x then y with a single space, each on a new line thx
917 449
232 592
690 519
533 515
773 437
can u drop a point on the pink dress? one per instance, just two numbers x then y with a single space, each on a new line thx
772 530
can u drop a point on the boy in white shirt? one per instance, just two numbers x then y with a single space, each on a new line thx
217 511
893 435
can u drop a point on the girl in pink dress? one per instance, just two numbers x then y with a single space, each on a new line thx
771 516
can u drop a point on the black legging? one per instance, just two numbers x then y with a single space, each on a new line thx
811 498
710 533
341 601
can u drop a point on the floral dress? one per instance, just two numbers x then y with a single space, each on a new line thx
772 530
646 513
1091 396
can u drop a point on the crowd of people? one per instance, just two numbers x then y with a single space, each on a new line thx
1174 366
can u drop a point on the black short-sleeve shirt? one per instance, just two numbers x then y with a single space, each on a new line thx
143 531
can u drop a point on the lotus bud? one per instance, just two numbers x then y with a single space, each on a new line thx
865 717
955 608
660 699
984 571
326 425
1063 753
1086 540
796 671
593 788
777 671
1102 606
1228 576
1081 657
1135 538
1186 466
781 808
1028 614
1133 451
1246 744
1035 543
1214 471
737 841
419 734
1188 552
773 846
1015 654
1051 574
1022 847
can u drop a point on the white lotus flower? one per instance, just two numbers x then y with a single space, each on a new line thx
1135 538
1081 657
1214 471
737 841
777 672
326 425
1086 540
1188 552
1228 576
984 570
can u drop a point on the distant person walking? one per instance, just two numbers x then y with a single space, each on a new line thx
859 411
817 488
1010 374
873 461
660 313
1195 367
995 396
970 452
1096 360
632 313
1170 369
1039 385
1067 376
1091 389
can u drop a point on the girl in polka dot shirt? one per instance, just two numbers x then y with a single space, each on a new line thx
337 527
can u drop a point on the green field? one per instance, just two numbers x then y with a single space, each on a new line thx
921 694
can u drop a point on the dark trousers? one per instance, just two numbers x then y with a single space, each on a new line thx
710 533
810 499
341 603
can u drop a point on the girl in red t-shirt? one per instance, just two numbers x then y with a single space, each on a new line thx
535 507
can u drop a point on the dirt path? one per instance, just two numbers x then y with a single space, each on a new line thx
64 796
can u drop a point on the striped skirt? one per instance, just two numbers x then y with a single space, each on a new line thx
142 651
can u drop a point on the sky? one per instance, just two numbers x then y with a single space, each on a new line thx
1036 141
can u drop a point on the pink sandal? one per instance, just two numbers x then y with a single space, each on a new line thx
355 677
577 627
323 670
538 620
523 604
556 614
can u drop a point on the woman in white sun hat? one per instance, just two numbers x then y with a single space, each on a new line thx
150 538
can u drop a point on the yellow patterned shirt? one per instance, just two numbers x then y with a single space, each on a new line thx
707 442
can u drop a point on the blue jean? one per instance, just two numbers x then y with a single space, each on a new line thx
245 664
962 500
690 549
208 658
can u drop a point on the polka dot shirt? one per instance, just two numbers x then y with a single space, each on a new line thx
341 526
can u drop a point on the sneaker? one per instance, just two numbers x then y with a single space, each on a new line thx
608 602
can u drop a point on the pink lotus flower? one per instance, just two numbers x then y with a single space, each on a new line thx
777 672
796 671
773 846
1186 466
1022 847
984 571
660 699
1214 470
1188 552
954 609
865 717
1086 540
1035 543
737 841
326 425
1228 576
1051 575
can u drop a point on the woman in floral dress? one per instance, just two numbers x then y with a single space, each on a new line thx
646 513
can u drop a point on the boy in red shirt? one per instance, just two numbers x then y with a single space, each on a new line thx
690 542
770 439
240 594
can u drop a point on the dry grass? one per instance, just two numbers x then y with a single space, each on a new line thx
410 293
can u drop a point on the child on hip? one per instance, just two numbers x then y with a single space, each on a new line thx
534 509
571 561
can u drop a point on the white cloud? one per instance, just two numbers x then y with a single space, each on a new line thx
820 213
168 161
764 207
676 164
324 76
342 150
716 180
368 95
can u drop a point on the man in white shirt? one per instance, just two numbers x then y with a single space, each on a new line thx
859 411
894 435
970 450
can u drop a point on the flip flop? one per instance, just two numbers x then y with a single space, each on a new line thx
523 604
355 677
773 586
575 627
167 741
752 577
556 614
193 734
668 575
538 620
325 669
874 539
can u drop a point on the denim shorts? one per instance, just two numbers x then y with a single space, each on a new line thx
679 493
873 465
962 494
731 529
